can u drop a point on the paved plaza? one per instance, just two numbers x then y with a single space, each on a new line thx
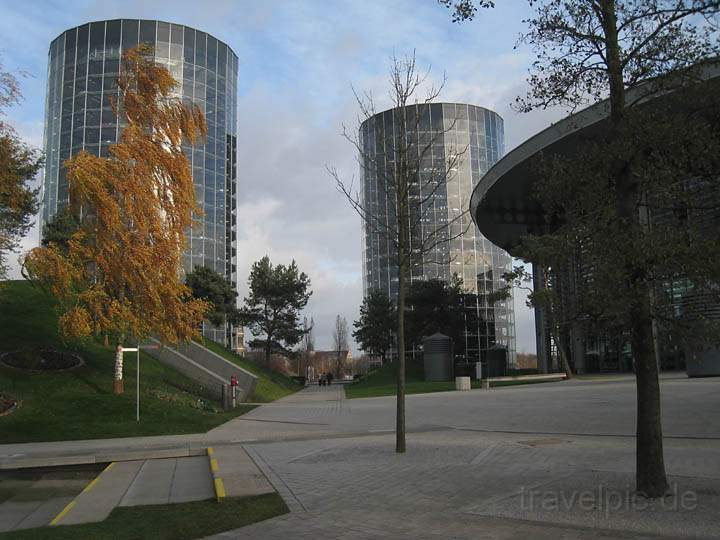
552 460
598 406
548 461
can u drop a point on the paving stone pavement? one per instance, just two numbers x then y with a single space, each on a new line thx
460 484
474 483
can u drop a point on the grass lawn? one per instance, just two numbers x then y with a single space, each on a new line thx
270 386
79 403
165 522
382 382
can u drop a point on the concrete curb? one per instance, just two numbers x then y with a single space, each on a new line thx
540 377
71 504
215 471
111 455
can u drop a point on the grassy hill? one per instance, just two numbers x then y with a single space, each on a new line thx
79 403
383 381
270 386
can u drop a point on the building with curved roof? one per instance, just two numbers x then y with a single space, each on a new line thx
504 210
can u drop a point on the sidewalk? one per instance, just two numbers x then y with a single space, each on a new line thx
299 415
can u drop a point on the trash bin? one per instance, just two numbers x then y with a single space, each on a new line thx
438 357
497 362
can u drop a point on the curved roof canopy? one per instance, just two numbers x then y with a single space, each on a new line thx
501 203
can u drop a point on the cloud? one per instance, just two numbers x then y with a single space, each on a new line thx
289 208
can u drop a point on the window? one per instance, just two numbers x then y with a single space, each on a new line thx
112 37
200 49
147 32
130 28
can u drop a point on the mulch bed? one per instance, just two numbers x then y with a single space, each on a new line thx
39 360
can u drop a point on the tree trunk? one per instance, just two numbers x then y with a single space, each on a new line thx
403 263
118 380
268 350
563 345
650 465
400 421
565 364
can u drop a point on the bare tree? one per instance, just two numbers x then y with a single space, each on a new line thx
408 178
308 342
340 342
307 346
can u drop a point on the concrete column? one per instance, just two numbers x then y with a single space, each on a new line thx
541 345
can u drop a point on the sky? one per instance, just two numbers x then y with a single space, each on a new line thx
298 63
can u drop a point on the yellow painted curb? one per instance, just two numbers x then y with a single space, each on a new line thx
219 489
92 484
70 505
61 515
215 471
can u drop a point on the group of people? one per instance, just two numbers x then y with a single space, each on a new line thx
325 378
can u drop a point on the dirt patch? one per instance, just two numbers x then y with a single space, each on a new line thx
41 360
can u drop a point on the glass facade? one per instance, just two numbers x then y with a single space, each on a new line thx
83 66
469 140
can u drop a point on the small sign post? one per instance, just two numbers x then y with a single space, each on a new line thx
137 376
233 386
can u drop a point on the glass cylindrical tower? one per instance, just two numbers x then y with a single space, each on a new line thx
469 140
83 66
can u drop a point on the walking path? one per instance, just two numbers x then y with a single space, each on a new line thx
691 410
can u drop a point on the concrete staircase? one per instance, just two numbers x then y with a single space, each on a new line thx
166 481
210 370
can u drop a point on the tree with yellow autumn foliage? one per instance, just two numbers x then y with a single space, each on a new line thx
120 273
